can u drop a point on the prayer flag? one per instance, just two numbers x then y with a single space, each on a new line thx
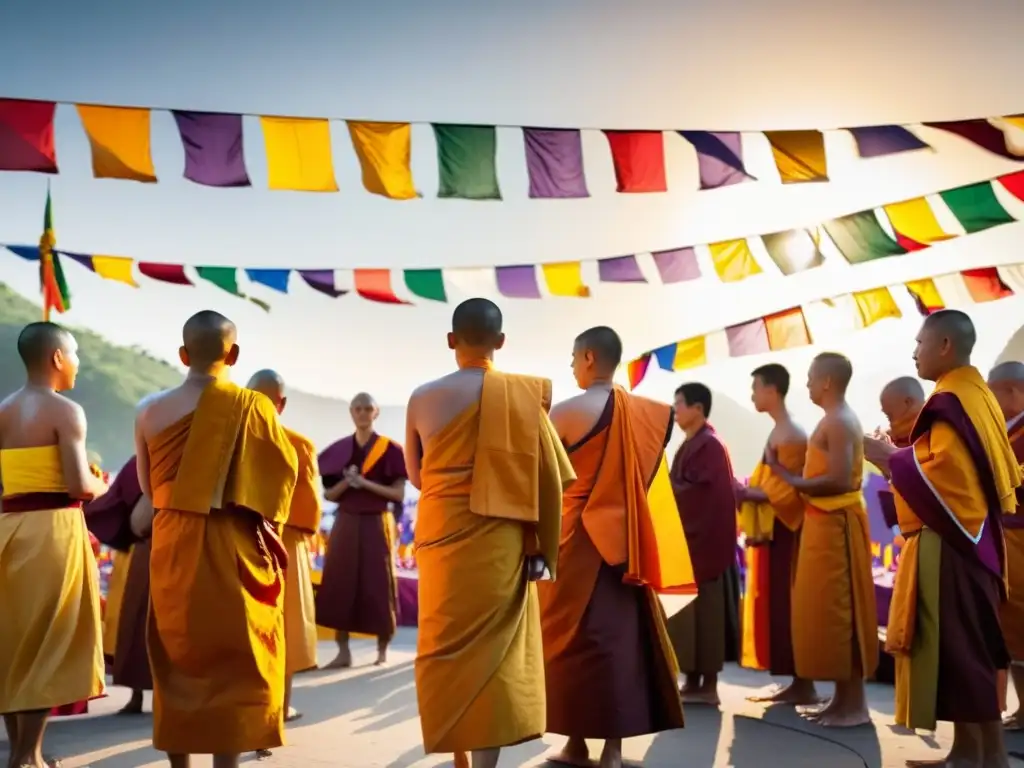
518 282
26 136
620 269
639 160
565 279
915 220
375 285
909 245
384 151
226 278
81 258
214 151
719 158
27 252
733 260
321 281
467 161
119 140
747 338
981 133
426 283
793 251
554 161
925 295
690 353
116 268
165 273
860 238
677 265
665 357
985 284
275 279
787 329
874 305
976 207
637 369
52 283
1014 184
799 155
299 154
880 140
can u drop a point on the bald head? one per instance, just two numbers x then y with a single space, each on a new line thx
904 387
39 342
604 345
363 400
269 383
955 326
364 411
208 338
1011 370
477 323
1006 381
944 343
837 367
901 401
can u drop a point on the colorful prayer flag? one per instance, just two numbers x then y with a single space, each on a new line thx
690 353
874 305
881 140
981 133
426 283
275 279
120 142
565 279
787 329
925 295
793 251
799 155
677 265
639 160
1014 184
116 268
52 283
733 260
518 281
299 154
165 273
976 207
719 158
26 136
214 151
467 161
375 285
554 161
620 269
637 369
27 252
909 245
226 278
665 357
859 237
384 151
321 281
985 284
915 220
747 338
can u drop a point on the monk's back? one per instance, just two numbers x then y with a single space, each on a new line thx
576 418
437 402
31 418
165 408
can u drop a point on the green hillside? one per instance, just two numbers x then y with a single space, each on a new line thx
112 379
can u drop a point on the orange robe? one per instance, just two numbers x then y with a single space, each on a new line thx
303 522
835 621
1012 613
222 477
609 665
491 494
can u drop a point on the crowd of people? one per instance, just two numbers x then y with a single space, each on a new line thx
542 543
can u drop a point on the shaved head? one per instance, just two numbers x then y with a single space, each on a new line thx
364 411
38 342
904 387
1011 370
957 327
604 344
208 338
837 367
944 343
477 323
1006 381
363 399
828 378
269 383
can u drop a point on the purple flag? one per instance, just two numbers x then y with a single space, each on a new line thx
518 282
554 160
214 155
677 265
620 269
321 280
719 157
748 338
881 140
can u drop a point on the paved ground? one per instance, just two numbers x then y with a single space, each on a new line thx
366 718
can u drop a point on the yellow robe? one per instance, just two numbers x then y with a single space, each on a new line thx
303 521
221 477
492 482
51 647
120 564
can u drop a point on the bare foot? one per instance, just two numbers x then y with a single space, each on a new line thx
1014 722
841 718
611 757
574 753
796 694
382 659
342 661
292 714
708 698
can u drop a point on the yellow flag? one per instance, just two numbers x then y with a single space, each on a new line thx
299 154
799 155
874 305
383 150
733 260
119 140
114 268
787 329
926 295
565 279
916 219
691 353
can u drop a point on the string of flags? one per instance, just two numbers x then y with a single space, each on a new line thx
300 155
807 324
892 230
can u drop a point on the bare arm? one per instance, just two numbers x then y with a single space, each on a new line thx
336 491
142 453
413 446
81 482
839 477
559 416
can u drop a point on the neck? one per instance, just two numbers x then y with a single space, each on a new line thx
833 403
206 375
39 383
601 382
779 413
363 434
695 428
474 358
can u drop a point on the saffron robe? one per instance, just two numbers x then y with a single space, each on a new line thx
834 616
767 606
1012 613
222 477
952 487
358 591
491 494
51 649
119 564
303 522
605 641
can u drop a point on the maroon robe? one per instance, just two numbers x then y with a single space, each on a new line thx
109 520
358 590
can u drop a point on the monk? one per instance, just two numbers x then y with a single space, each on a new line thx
122 519
364 474
605 640
834 618
706 633
1006 381
220 471
51 651
901 401
771 513
491 472
953 486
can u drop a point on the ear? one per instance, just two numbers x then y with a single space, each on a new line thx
232 356
500 341
451 341
58 359
282 404
183 356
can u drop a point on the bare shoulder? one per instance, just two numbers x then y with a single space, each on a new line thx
571 405
851 423
787 432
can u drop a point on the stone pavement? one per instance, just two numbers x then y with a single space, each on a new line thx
366 718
